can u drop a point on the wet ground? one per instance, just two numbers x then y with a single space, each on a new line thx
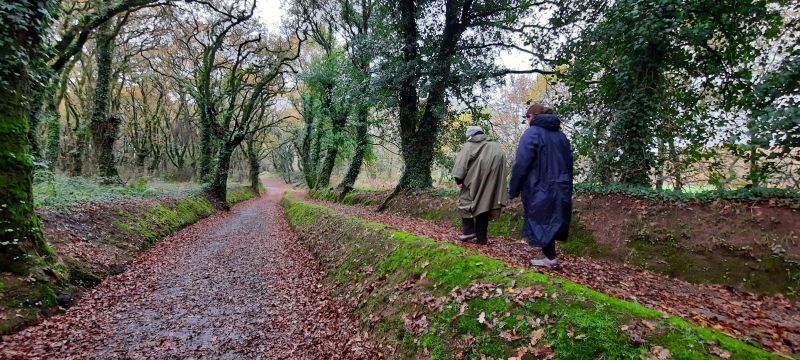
237 285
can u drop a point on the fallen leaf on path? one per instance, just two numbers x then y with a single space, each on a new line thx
536 335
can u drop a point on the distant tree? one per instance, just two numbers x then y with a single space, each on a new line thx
438 51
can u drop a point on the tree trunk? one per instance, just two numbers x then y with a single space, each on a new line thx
104 134
35 114
76 168
104 126
218 187
309 154
255 168
205 168
21 231
53 138
754 170
22 241
54 124
677 168
660 164
418 132
325 171
362 139
139 159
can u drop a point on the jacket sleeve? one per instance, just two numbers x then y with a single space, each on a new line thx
460 166
526 153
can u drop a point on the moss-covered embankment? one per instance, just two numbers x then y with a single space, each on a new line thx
438 300
92 241
751 245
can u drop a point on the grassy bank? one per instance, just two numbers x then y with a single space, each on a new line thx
438 300
94 232
728 243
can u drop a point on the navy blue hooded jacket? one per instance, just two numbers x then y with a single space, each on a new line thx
542 174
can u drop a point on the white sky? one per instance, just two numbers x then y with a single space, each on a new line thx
270 13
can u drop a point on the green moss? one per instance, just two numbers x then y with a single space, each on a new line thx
301 213
239 194
393 270
506 225
38 296
163 219
47 250
355 197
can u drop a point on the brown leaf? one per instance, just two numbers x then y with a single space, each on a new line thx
725 354
536 335
508 336
543 351
657 353
635 338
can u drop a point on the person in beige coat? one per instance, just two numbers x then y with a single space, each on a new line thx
480 172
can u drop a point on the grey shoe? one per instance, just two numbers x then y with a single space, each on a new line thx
467 237
545 263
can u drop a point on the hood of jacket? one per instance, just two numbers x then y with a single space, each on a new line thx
547 121
477 138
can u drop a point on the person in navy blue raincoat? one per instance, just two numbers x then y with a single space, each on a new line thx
542 174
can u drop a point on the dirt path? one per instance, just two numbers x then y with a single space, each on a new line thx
772 321
238 285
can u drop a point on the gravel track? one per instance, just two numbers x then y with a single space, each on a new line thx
236 285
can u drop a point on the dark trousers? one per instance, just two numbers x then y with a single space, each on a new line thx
478 225
550 250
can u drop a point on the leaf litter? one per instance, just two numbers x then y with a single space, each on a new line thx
771 320
235 285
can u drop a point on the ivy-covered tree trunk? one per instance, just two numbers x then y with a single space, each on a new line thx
329 161
205 168
35 115
415 173
53 139
338 122
362 139
22 240
218 187
418 132
325 171
255 168
18 221
75 156
310 148
633 130
104 126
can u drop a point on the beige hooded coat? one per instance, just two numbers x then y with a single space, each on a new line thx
481 164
